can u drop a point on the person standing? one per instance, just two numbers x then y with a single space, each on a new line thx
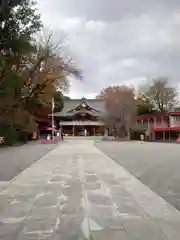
142 138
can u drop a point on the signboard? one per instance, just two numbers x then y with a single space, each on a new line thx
81 123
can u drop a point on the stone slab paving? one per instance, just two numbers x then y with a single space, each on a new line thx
155 164
77 193
19 158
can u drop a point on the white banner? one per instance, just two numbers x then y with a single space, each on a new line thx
1 140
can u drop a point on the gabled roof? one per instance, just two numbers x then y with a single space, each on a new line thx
98 105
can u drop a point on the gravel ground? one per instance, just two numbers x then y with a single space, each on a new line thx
156 164
13 160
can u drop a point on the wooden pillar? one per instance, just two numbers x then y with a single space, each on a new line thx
169 136
148 130
94 131
154 122
105 132
163 136
150 137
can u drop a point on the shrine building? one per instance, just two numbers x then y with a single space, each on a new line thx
82 115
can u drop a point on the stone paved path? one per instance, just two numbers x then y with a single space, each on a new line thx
19 158
76 193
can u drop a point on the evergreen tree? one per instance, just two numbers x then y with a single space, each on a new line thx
18 24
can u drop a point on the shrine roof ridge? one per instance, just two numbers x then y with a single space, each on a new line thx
70 104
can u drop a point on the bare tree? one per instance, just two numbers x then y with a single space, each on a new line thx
160 93
121 109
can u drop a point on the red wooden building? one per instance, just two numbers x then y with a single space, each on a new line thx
164 126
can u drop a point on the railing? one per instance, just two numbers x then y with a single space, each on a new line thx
174 123
151 125
160 125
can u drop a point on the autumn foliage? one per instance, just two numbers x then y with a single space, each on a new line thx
31 71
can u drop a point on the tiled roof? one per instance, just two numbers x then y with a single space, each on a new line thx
70 104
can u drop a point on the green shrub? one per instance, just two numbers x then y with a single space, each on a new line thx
10 134
23 136
13 135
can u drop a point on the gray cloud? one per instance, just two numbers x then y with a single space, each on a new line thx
117 42
107 10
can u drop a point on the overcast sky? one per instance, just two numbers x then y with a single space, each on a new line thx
117 41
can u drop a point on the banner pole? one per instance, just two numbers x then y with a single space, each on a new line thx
52 118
